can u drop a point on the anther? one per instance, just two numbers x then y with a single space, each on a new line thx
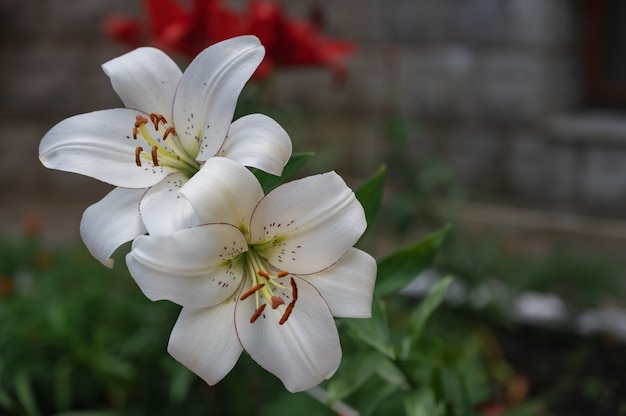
282 274
157 118
138 151
135 133
251 291
169 130
263 273
257 313
294 290
276 301
287 313
140 120
155 158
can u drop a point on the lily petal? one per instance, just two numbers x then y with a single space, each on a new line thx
100 145
258 141
111 222
190 267
303 351
308 224
145 79
164 210
223 191
205 341
208 91
348 285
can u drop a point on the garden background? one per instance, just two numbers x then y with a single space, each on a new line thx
502 117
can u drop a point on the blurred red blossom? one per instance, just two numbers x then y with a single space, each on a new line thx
288 43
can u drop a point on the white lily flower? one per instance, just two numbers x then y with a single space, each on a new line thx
173 122
264 274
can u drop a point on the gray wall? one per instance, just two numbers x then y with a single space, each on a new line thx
493 84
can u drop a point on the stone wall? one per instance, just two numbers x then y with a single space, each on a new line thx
492 84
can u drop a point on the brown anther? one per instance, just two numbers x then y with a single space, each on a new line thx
154 118
169 130
138 151
135 133
251 291
283 274
263 273
276 301
155 158
288 310
257 313
140 120
157 118
294 290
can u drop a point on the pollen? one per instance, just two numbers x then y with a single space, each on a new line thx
168 131
288 311
138 151
155 155
157 118
294 290
257 313
251 291
140 120
263 273
283 274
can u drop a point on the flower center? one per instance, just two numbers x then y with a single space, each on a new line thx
166 147
267 288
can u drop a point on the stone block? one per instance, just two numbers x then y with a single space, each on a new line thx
43 81
511 85
85 18
603 182
438 82
479 21
473 152
541 171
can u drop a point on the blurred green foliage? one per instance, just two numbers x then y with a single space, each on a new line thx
80 339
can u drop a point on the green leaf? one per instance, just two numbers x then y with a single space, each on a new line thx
24 392
269 182
422 403
401 267
420 316
373 331
180 384
354 371
370 195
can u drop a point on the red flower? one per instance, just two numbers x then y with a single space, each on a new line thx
288 43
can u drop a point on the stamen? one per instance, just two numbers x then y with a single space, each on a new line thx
138 151
155 159
169 130
282 274
263 273
276 302
135 133
139 120
251 291
257 313
294 290
287 313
